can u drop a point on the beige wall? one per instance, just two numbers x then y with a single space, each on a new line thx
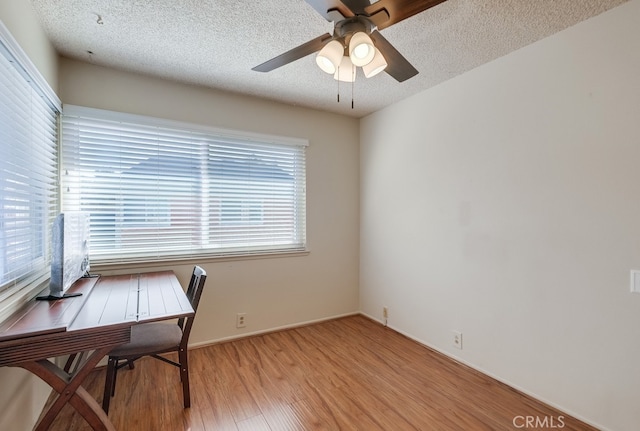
23 396
504 204
274 292
20 19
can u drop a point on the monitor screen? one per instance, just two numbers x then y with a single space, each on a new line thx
69 251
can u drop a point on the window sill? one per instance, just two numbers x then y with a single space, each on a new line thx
163 262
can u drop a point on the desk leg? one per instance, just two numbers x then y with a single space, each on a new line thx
69 391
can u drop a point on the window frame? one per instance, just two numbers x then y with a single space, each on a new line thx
212 136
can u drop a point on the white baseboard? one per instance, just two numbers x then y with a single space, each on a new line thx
266 331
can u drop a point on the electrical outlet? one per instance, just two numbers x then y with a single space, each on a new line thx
241 320
457 339
385 312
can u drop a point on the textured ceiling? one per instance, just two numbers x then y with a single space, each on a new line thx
215 43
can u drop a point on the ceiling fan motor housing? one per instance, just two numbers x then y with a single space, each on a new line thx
346 28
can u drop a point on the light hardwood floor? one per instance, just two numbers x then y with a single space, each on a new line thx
345 374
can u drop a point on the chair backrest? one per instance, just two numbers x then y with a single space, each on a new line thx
194 292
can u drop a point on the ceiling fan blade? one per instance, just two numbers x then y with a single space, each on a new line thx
397 66
385 13
294 54
357 6
329 8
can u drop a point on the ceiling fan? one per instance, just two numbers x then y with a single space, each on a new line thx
356 40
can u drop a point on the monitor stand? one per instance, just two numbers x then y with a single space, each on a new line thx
54 298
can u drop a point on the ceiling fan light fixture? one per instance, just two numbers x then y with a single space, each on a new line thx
330 56
361 49
346 71
377 65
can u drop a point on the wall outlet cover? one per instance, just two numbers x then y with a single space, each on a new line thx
457 339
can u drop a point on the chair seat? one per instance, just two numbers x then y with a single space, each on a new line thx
150 337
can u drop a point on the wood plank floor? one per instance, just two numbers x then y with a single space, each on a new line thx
344 374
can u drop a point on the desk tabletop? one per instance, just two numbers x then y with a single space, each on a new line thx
105 312
137 298
46 317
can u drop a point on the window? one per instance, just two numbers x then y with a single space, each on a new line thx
28 173
158 189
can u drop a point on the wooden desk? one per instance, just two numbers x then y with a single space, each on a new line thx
97 321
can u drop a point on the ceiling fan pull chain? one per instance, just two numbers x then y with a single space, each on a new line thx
353 75
338 72
351 95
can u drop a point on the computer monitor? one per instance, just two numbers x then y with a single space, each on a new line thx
69 253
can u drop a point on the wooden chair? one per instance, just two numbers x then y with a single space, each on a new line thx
152 339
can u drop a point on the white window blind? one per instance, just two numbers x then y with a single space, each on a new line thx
157 189
28 173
